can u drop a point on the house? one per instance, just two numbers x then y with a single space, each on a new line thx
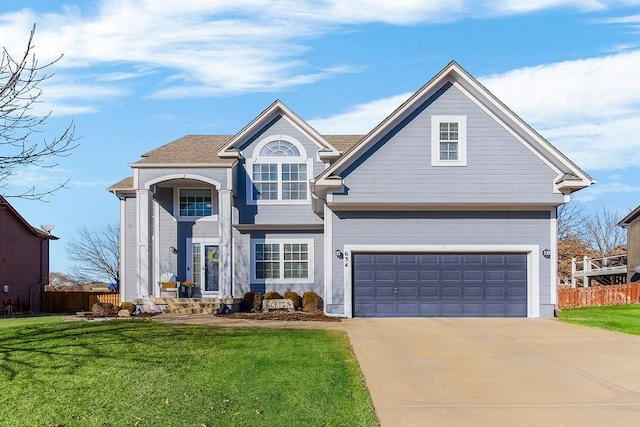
24 261
446 208
632 223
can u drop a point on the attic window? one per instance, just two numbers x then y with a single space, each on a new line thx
448 141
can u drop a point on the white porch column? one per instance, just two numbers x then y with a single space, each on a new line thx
143 200
225 261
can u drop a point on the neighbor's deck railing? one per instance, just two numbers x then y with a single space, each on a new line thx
599 268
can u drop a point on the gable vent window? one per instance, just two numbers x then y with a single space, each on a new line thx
279 173
448 141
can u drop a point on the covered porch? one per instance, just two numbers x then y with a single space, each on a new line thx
184 237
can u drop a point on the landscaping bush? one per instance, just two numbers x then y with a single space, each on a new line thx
128 306
104 309
252 302
272 295
293 296
311 301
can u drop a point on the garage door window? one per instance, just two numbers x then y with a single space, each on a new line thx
282 262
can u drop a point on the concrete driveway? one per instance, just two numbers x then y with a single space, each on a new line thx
497 372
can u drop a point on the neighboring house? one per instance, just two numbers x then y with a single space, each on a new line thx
24 261
632 223
446 208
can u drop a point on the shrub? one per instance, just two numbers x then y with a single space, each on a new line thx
293 296
103 309
252 301
272 295
128 306
311 301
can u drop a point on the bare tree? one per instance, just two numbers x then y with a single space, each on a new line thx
602 234
570 221
20 81
96 254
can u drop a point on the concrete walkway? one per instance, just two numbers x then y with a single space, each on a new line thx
497 372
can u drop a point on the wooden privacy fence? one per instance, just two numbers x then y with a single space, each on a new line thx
71 302
598 295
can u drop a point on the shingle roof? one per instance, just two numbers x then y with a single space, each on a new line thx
343 142
203 149
125 184
190 149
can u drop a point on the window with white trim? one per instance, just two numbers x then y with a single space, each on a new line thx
279 172
282 261
448 141
195 203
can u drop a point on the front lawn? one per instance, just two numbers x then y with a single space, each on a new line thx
622 318
142 373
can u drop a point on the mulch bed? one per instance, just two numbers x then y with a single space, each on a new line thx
316 316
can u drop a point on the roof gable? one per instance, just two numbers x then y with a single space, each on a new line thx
278 108
455 75
4 204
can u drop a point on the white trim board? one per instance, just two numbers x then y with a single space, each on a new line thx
533 266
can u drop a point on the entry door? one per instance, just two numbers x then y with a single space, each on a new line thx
205 267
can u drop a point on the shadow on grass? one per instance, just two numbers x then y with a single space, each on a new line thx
67 347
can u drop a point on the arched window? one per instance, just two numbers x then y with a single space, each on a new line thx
279 148
279 171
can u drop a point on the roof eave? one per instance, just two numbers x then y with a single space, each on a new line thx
277 107
181 165
627 220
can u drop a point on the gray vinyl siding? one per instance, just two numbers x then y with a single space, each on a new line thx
167 234
216 174
175 233
499 168
130 250
275 214
440 228
242 263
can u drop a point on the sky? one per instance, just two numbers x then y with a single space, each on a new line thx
136 75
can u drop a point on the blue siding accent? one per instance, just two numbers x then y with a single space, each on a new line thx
499 168
275 214
167 234
442 228
242 263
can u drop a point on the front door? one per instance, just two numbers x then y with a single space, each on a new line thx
204 263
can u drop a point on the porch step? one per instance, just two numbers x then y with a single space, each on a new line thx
199 305
192 310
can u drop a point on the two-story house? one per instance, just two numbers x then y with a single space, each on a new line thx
446 208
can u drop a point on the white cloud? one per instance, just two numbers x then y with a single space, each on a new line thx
359 119
526 6
588 108
595 192
34 176
205 48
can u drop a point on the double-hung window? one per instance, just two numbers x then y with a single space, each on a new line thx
279 173
288 261
193 203
448 141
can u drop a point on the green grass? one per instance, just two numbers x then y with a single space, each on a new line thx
621 318
141 373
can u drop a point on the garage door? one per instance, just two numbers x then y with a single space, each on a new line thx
440 285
